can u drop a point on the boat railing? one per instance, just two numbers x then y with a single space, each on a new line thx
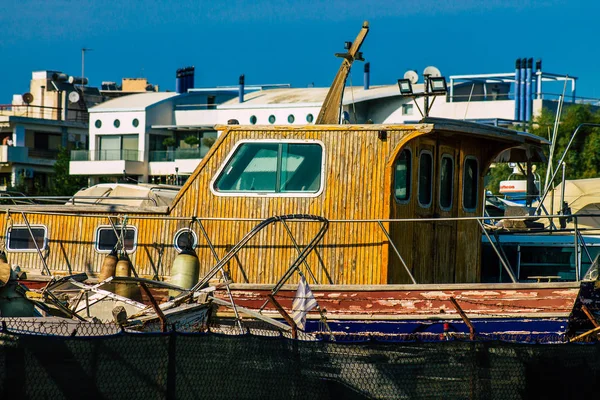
490 230
72 200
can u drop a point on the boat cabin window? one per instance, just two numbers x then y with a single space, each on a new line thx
402 174
18 238
106 238
446 181
185 239
425 178
470 182
264 167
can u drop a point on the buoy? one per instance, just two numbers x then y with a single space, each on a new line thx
123 267
108 266
129 290
185 271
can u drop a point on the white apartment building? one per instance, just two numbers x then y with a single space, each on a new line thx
128 136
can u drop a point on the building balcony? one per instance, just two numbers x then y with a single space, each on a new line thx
177 154
106 162
14 154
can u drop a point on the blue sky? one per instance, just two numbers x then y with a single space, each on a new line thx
292 41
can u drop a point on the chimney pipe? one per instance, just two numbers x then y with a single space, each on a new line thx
178 86
367 82
528 98
523 99
241 90
517 88
538 67
192 71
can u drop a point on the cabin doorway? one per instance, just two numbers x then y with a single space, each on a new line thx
426 178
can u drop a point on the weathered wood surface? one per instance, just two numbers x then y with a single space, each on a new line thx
490 301
358 186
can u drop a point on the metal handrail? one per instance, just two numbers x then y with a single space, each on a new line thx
71 199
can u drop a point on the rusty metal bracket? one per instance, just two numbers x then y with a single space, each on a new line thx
464 317
285 315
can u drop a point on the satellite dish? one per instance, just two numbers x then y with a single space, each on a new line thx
432 71
412 76
73 97
27 98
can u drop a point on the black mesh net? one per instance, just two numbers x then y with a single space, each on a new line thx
86 360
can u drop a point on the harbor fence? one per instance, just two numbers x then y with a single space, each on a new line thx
91 362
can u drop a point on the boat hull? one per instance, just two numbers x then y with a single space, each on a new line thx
534 311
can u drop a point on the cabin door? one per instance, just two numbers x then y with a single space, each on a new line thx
425 195
446 206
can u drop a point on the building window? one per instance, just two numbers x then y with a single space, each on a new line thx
309 118
117 123
98 123
135 122
185 239
253 120
425 178
446 181
271 119
117 147
272 168
407 109
106 238
402 174
19 238
470 182
291 118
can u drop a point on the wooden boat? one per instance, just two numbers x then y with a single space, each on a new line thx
402 248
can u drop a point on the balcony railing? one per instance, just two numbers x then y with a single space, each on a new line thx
105 155
179 154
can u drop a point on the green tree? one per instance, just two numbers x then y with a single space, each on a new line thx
61 182
582 159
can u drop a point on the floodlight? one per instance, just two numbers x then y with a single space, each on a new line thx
438 84
405 86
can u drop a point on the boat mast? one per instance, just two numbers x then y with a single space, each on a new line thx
330 111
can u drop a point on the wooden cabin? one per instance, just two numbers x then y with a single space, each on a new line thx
358 177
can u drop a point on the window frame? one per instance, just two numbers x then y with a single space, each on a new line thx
240 143
449 208
431 182
24 226
117 227
181 232
410 180
474 209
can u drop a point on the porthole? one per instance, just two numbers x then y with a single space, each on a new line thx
309 118
253 120
291 118
117 123
185 239
271 119
135 122
98 123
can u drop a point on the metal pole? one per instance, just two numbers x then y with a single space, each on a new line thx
238 320
397 252
504 264
562 160
35 243
576 254
562 191
426 97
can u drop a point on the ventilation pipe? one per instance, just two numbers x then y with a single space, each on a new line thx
191 75
367 82
241 90
517 88
528 97
522 93
538 74
178 81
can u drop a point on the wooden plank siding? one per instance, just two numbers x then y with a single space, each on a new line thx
358 185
